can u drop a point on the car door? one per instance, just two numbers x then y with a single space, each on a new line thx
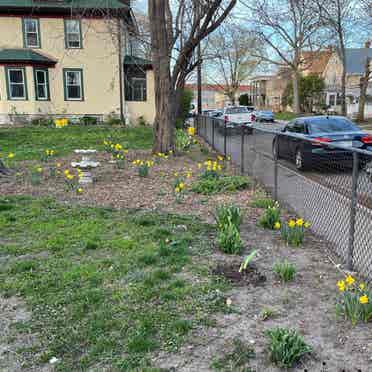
284 139
297 138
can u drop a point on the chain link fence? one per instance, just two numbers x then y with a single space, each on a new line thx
333 191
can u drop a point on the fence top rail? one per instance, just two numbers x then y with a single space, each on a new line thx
298 136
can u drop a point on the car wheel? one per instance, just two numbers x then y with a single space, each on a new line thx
300 161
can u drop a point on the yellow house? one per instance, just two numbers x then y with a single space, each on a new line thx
72 59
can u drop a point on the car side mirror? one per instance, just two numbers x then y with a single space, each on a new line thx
284 129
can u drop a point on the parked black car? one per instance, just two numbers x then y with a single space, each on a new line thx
306 141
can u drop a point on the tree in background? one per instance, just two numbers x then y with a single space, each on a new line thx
245 100
284 29
310 93
176 29
338 16
365 80
229 59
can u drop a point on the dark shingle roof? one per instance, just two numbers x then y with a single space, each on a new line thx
25 56
356 60
64 4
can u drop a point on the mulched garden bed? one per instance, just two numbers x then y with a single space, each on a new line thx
230 271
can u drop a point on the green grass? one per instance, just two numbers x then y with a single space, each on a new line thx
285 116
104 285
28 143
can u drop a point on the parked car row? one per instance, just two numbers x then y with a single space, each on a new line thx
308 141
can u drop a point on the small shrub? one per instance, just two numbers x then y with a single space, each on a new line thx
355 301
143 167
261 200
226 213
247 261
270 217
229 239
293 233
88 120
183 140
267 313
285 270
208 185
286 347
91 245
237 360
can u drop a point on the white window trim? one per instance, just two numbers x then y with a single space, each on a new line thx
45 84
24 97
72 33
73 85
37 45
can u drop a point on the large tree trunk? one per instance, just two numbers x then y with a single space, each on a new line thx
296 93
363 90
164 93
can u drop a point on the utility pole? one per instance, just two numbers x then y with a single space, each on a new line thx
199 68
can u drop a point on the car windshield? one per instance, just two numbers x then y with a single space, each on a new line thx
266 112
331 125
236 110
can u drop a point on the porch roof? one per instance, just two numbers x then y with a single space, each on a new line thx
25 56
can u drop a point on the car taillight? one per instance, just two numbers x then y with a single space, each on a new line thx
253 117
367 139
226 118
319 140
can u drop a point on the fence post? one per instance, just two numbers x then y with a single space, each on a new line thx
196 123
276 170
224 138
242 150
213 134
353 206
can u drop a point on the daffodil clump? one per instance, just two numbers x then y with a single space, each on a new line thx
293 232
270 219
47 155
72 180
163 155
355 302
61 123
7 159
36 175
143 166
212 168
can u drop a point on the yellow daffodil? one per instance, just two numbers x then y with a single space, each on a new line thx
177 189
200 165
341 285
363 299
300 222
188 175
307 225
220 158
291 224
66 172
277 225
39 169
11 155
70 177
79 190
118 147
191 131
175 174
181 185
350 280
362 286
58 165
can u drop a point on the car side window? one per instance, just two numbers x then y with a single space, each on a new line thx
290 126
299 127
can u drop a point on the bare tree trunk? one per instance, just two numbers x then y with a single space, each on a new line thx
163 124
363 90
296 93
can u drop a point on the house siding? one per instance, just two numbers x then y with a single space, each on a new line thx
98 60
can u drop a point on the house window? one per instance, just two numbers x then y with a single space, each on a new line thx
135 84
41 84
73 81
73 38
332 100
31 33
16 83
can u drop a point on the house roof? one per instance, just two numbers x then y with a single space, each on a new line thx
65 4
356 60
316 62
24 56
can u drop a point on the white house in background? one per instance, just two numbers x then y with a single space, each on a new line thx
355 68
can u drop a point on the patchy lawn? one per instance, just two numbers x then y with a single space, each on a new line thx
127 275
29 142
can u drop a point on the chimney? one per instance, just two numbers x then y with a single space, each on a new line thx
368 44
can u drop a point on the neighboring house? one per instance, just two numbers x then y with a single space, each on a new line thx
355 68
315 62
71 59
213 96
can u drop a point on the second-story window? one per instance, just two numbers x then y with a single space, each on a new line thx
31 33
73 39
